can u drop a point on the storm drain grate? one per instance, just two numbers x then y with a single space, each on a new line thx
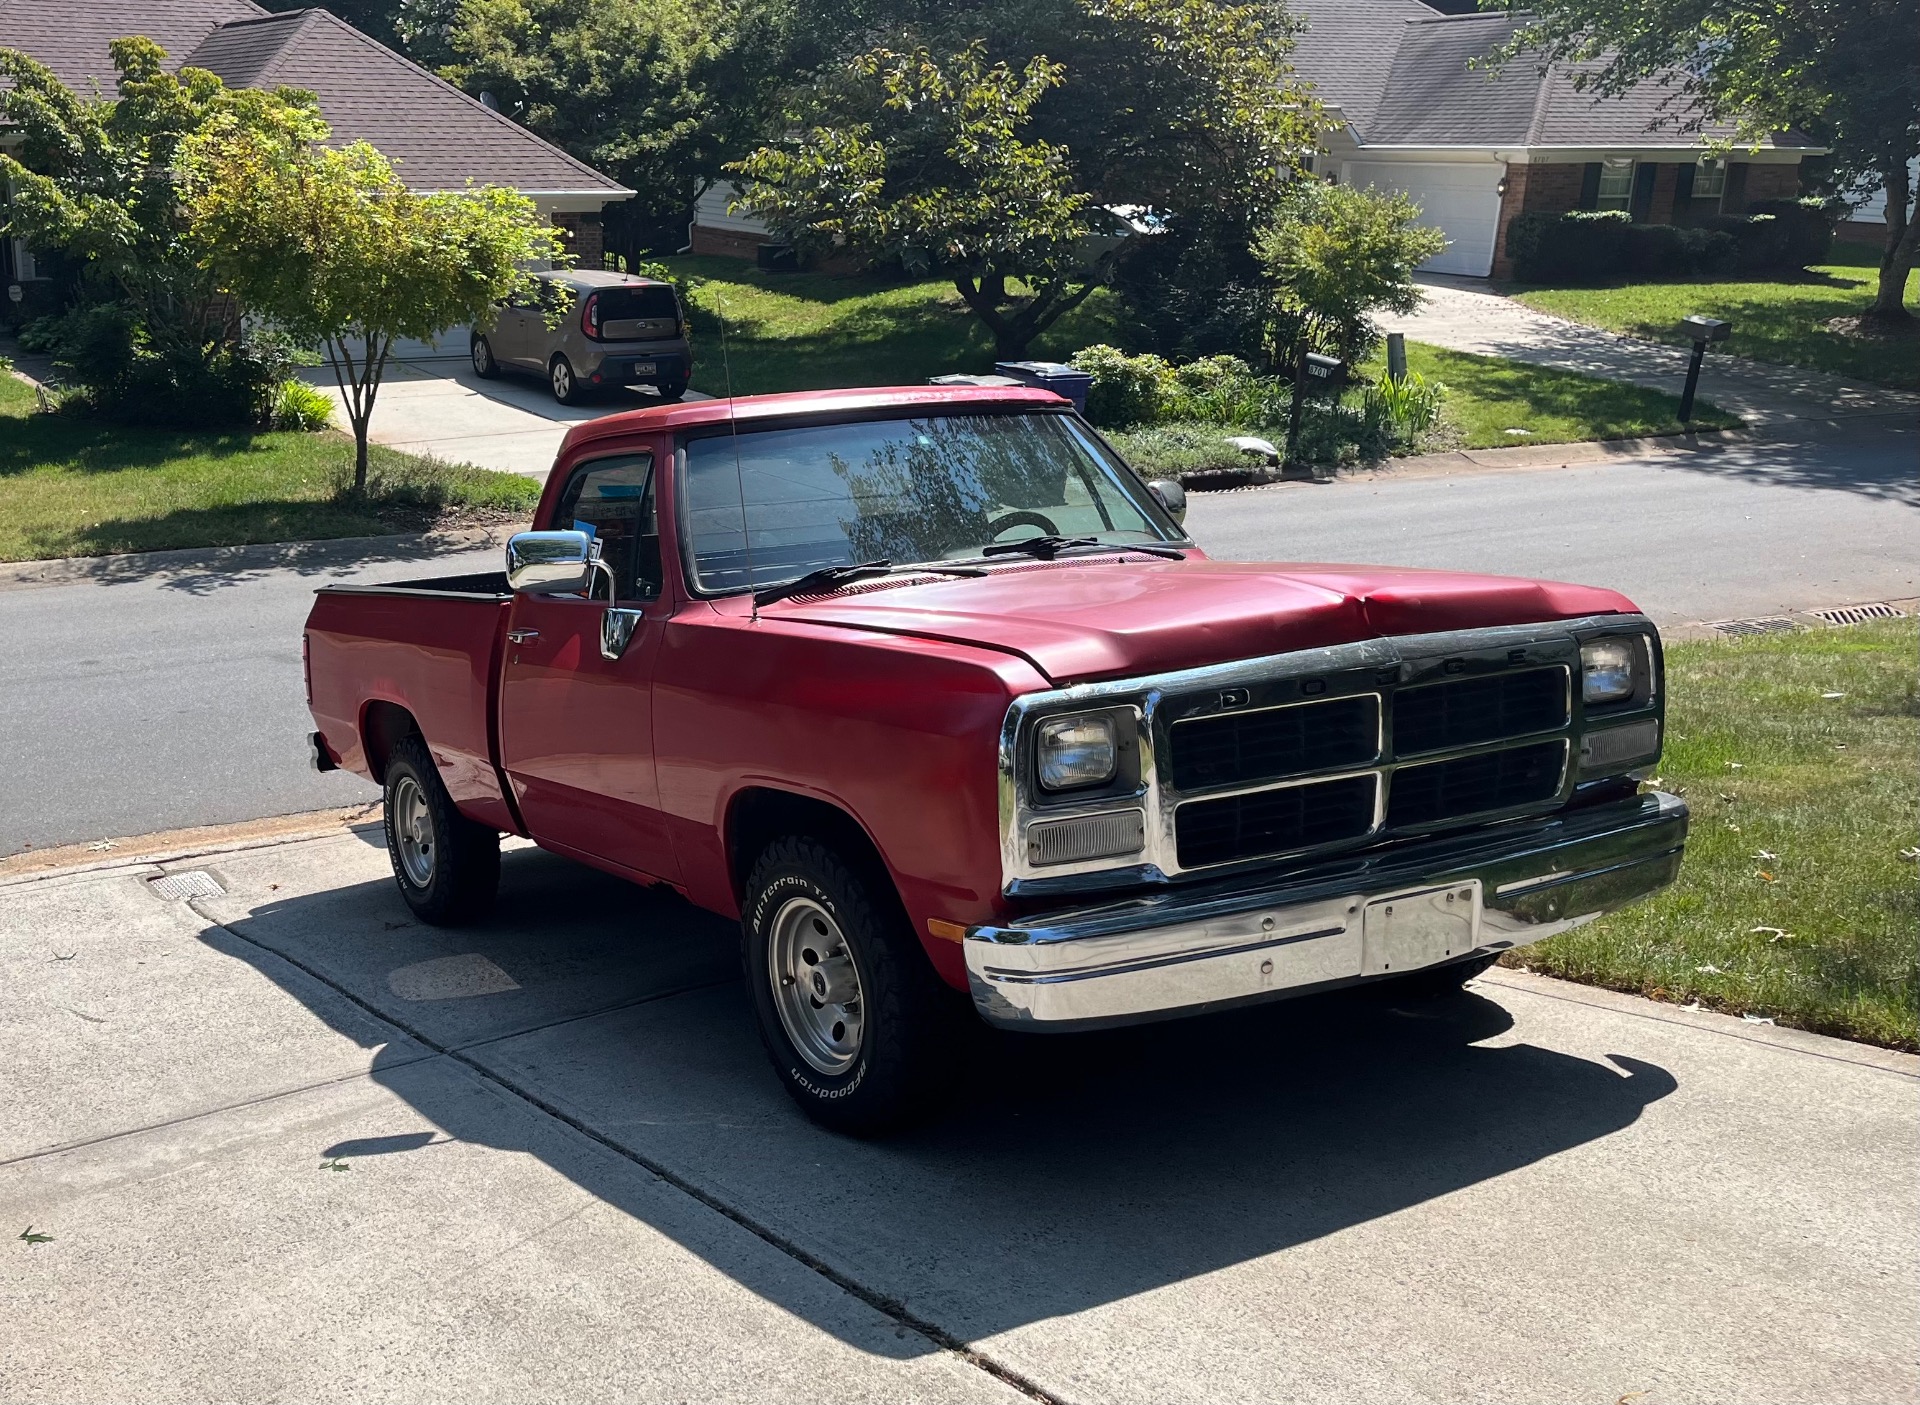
1771 625
194 883
1858 614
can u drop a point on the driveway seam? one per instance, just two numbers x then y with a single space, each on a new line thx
888 1307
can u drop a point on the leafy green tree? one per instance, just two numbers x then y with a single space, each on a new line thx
97 180
1847 73
1334 255
942 174
332 247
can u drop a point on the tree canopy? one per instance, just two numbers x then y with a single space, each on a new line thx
1847 73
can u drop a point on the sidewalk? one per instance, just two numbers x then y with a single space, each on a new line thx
1461 314
289 1143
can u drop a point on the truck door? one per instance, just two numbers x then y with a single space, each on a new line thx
576 726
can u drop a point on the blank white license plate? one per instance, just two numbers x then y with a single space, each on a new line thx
1409 930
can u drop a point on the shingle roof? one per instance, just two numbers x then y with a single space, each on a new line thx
1403 74
437 137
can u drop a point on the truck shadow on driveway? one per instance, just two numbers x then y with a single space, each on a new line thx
1069 1172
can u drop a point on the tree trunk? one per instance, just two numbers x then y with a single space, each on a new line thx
1903 242
360 457
993 287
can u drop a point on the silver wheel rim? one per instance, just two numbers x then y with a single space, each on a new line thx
562 380
816 986
482 357
413 831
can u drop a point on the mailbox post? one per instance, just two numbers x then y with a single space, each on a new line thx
1703 330
1314 374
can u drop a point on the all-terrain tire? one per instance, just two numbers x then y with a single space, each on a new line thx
447 866
908 1016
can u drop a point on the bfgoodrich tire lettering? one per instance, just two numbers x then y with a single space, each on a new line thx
447 866
906 1015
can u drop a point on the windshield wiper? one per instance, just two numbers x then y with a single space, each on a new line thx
832 577
1048 546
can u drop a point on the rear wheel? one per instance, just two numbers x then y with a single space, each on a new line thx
484 366
447 866
566 386
857 1024
672 391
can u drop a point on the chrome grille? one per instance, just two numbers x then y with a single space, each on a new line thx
1242 748
1264 822
1469 711
1475 784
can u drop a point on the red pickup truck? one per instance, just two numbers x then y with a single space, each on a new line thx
936 696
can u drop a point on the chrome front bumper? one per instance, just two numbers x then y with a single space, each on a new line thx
1186 950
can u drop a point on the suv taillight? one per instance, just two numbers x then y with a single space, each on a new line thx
590 316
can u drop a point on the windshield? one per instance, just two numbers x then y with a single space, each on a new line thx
935 488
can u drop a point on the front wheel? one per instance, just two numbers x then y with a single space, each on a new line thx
566 386
856 1022
447 866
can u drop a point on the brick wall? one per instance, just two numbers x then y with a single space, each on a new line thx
1552 189
585 237
1771 182
1666 178
727 243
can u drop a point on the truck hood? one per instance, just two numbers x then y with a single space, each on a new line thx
1083 620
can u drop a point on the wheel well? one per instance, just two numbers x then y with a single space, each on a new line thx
382 726
759 816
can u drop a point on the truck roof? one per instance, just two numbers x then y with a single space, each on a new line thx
855 401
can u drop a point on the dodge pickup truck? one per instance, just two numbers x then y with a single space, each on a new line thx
936 696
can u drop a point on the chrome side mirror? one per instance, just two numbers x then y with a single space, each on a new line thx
1172 497
550 563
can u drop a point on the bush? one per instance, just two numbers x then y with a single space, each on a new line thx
1580 246
1126 390
299 406
1225 390
1761 240
1406 408
120 372
1808 224
1674 251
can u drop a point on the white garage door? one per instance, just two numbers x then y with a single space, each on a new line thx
1461 200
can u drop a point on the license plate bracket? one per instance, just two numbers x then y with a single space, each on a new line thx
1405 931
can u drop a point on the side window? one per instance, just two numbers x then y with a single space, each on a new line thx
612 500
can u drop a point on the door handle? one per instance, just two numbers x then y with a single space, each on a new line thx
521 636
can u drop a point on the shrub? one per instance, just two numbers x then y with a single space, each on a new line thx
1406 408
1126 390
1761 240
299 406
1580 246
120 372
1225 390
1674 251
1808 224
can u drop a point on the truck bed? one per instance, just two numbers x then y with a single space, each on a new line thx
426 650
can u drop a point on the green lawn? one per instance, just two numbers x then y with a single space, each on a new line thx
75 487
1774 319
1795 902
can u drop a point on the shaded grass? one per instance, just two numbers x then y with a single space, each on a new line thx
809 331
76 487
1778 319
1794 902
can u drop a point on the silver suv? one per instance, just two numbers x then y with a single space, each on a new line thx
582 330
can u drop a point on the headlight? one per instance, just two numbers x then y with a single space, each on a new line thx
1076 752
1606 670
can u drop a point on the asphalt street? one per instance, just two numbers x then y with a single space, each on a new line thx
282 1142
170 695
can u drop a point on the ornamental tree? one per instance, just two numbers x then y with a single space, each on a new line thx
332 247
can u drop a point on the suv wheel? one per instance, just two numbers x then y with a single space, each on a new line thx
672 392
566 386
850 1010
447 866
484 366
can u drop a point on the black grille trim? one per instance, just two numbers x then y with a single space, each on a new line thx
1244 748
1266 822
1470 711
1487 781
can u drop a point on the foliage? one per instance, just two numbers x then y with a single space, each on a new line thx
1795 319
1195 289
1334 255
1837 71
1808 224
1796 901
1409 407
1589 245
154 335
332 247
299 406
1760 241
1147 389
1675 251
1126 390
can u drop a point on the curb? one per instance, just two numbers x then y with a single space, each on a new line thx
168 846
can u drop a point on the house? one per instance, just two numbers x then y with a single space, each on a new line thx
1421 114
438 138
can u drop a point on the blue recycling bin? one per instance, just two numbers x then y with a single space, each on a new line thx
1056 376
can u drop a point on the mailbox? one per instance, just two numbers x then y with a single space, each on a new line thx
1324 373
1706 329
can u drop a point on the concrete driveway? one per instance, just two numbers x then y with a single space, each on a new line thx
289 1143
438 406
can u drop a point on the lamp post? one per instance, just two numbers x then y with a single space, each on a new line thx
1703 330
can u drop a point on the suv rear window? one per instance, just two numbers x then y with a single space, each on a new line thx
649 300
